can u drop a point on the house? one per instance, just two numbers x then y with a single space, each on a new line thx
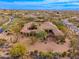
48 26
29 28
34 27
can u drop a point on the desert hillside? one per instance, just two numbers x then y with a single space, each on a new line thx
39 34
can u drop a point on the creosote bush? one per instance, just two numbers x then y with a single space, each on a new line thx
41 35
18 50
64 54
33 40
61 26
60 39
2 41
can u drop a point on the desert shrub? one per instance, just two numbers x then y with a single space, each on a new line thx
78 25
72 20
40 17
16 25
31 19
2 41
64 54
41 35
34 26
34 54
18 50
33 40
4 26
56 55
43 55
48 55
61 26
55 21
60 39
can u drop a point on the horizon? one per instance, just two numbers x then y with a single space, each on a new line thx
40 4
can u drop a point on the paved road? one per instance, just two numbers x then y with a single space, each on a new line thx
71 26
7 23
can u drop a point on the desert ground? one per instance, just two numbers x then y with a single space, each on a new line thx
39 34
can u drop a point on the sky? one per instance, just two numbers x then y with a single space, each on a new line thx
40 4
